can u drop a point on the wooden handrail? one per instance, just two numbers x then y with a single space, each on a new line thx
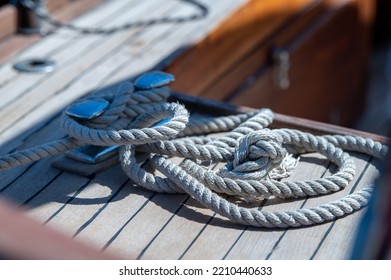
280 120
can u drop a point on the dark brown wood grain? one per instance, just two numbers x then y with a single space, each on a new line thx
327 74
208 60
259 56
8 21
53 5
214 107
328 41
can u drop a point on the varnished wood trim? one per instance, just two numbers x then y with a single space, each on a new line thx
53 5
8 21
226 45
320 128
23 238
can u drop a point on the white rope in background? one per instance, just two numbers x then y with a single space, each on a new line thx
140 120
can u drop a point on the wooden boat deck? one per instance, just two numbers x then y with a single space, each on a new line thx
107 210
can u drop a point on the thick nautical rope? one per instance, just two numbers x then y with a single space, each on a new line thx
256 157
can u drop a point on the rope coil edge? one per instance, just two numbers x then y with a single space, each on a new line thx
256 157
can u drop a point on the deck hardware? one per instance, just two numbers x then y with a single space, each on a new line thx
153 80
88 160
36 65
29 22
81 168
93 154
88 109
281 58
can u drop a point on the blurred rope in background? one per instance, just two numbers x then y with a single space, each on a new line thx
34 18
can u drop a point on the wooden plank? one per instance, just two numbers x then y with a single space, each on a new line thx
22 238
290 247
340 25
110 212
52 108
213 107
172 46
62 38
58 48
33 121
42 139
220 233
63 190
38 117
341 234
8 21
132 228
144 51
180 232
172 241
297 243
243 72
227 44
84 205
66 185
43 192
140 230
116 215
53 5
16 44
28 185
63 76
82 85
12 45
10 177
255 243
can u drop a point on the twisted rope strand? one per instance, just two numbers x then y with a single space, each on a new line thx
256 157
37 153
253 216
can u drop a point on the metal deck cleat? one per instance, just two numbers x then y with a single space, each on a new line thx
88 109
153 79
93 154
91 159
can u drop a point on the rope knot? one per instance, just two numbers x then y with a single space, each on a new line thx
259 155
263 147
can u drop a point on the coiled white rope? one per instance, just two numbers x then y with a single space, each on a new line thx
257 157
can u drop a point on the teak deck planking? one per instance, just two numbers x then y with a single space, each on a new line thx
14 44
108 211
